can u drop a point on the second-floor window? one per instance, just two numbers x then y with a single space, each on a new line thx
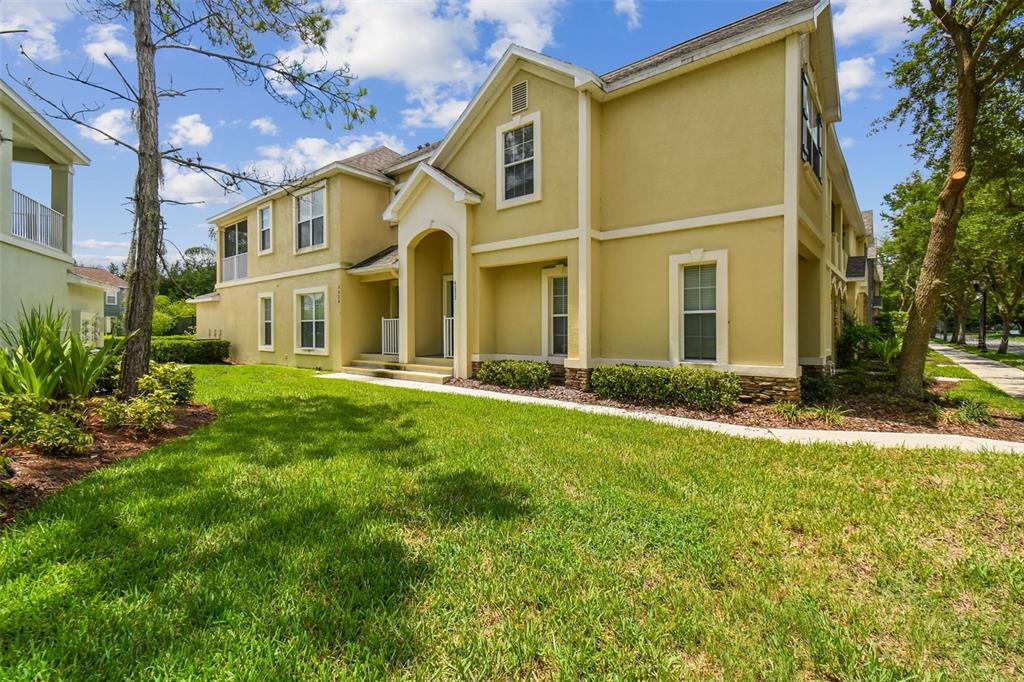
518 153
310 224
235 250
265 226
810 147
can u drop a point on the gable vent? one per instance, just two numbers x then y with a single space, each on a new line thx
520 97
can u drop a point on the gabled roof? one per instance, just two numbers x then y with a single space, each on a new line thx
375 160
40 127
424 172
100 275
419 154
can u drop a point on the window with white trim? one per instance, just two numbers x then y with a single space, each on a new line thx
111 298
264 221
700 312
810 148
560 315
235 252
310 224
266 322
312 321
517 149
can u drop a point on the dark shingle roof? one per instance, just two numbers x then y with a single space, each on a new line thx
388 256
374 160
754 21
856 267
422 149
99 275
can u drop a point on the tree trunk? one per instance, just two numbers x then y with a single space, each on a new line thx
1004 341
939 253
960 335
143 273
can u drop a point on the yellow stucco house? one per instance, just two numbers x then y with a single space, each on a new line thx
691 207
36 265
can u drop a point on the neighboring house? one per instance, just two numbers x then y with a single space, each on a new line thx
862 293
36 266
691 208
115 289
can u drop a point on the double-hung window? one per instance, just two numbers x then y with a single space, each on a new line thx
235 250
111 298
263 217
310 224
312 321
560 315
810 147
518 151
700 312
266 322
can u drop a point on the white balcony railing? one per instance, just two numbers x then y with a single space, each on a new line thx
449 336
234 267
389 336
36 222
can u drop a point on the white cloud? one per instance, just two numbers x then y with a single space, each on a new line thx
265 125
878 21
846 142
41 19
101 244
433 112
182 184
102 39
309 153
98 259
191 131
115 122
631 10
854 75
530 23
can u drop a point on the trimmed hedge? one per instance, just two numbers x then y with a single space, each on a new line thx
515 373
187 350
698 388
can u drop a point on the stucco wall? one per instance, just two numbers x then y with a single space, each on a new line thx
31 279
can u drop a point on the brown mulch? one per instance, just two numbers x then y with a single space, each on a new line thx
866 413
37 476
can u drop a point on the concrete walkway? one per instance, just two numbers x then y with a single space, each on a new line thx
908 440
1008 379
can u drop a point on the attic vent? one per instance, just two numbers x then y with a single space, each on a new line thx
520 97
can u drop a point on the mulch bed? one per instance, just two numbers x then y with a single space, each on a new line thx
867 412
37 476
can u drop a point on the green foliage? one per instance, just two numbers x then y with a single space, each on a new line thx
817 388
791 412
887 349
30 421
147 413
828 414
84 367
892 323
169 313
185 349
854 343
59 433
113 412
195 273
699 388
515 373
177 380
162 323
970 411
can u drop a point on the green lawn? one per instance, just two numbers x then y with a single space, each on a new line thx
1014 359
326 529
972 387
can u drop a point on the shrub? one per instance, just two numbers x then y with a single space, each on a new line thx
186 350
147 413
892 323
44 425
515 373
970 411
699 388
178 380
59 433
887 349
791 412
829 414
817 388
854 342
113 412
18 416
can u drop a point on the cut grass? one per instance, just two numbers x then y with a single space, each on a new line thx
972 388
329 529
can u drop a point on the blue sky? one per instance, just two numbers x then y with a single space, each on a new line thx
421 61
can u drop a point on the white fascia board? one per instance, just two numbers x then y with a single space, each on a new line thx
40 124
424 171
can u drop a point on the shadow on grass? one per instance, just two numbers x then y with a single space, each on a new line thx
272 534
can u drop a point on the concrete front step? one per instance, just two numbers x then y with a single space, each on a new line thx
395 364
432 376
446 363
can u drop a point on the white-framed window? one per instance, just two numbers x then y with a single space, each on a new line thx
111 298
810 148
266 322
311 321
698 307
555 311
235 252
518 152
310 212
265 226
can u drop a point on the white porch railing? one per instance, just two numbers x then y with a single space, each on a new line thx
234 267
36 222
389 336
449 336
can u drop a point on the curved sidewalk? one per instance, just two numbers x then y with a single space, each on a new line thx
876 438
1007 379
